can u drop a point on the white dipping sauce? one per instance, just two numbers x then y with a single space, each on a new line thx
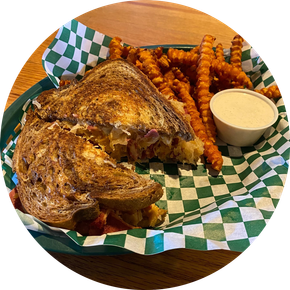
244 110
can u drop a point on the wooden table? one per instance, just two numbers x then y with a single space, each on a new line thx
140 23
137 23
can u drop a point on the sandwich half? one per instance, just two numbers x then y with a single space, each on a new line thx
65 181
116 107
66 157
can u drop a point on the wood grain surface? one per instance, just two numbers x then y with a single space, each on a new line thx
132 271
140 23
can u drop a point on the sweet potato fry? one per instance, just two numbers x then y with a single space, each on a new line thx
270 92
132 55
148 63
236 52
150 66
179 56
166 87
203 83
115 48
225 71
195 49
179 75
211 151
219 52
164 62
125 51
158 51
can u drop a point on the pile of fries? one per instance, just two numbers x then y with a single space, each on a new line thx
193 77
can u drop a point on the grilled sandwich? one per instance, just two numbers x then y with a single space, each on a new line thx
66 157
116 107
64 181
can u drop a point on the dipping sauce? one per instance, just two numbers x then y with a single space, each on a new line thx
244 110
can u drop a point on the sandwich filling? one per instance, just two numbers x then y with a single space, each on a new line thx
138 146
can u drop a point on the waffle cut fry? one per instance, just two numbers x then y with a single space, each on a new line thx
164 62
115 48
236 52
226 71
150 67
178 74
211 151
219 52
270 92
166 87
179 56
133 55
203 83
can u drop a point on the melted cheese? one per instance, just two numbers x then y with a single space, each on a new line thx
118 144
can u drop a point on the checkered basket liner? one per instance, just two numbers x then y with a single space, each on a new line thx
205 211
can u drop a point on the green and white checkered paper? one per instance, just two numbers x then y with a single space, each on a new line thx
205 212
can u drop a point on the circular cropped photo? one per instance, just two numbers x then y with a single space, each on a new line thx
147 135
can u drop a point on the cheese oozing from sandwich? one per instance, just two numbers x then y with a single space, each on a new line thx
136 148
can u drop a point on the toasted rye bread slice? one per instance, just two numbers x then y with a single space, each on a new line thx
116 105
63 177
114 93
